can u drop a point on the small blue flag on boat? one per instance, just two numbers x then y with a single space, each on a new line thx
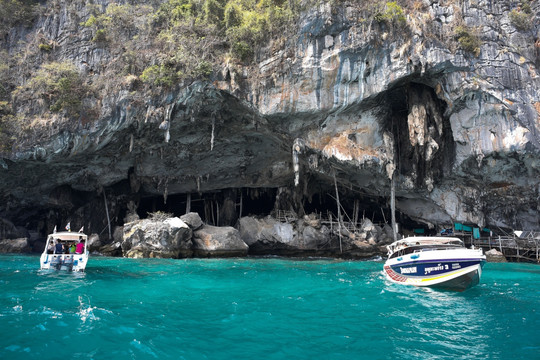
54 231
68 227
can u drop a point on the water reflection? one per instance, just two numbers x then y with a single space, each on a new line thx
436 324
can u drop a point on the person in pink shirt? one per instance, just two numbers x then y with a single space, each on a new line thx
80 247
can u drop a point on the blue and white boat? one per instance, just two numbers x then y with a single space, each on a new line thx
437 262
65 251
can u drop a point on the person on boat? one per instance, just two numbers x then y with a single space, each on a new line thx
72 249
50 248
80 247
58 248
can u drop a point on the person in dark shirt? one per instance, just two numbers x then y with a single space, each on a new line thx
59 248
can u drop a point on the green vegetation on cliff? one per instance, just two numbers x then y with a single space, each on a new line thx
147 47
184 39
59 85
16 12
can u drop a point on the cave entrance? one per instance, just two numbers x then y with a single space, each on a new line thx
224 207
357 206
220 208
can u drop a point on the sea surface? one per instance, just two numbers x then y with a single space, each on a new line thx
260 308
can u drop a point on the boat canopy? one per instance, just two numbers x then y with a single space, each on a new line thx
423 241
68 235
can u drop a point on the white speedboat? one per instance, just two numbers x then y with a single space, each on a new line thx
438 262
65 251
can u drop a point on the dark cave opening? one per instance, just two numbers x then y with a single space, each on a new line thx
259 202
356 207
220 208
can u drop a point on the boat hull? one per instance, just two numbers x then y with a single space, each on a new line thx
457 280
63 262
455 270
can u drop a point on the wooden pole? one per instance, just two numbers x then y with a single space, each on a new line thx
188 203
107 212
212 211
393 207
217 212
241 202
339 213
356 211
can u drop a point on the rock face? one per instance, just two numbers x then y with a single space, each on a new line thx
173 238
346 103
193 220
148 238
14 246
213 241
495 255
267 236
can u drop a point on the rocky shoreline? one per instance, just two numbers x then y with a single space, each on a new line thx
187 236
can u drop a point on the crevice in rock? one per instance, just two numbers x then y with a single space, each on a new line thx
424 145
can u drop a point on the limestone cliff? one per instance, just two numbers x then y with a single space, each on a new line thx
344 96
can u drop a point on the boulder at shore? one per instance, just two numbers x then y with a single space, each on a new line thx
495 255
213 241
307 237
14 246
151 238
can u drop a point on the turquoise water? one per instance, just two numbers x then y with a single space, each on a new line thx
260 309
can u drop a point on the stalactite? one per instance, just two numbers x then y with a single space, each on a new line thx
212 137
148 111
166 191
297 147
131 143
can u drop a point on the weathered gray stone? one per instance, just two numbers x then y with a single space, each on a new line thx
495 255
249 229
170 238
193 220
268 236
94 243
14 246
213 241
112 249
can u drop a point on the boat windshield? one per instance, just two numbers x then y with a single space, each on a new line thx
411 245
